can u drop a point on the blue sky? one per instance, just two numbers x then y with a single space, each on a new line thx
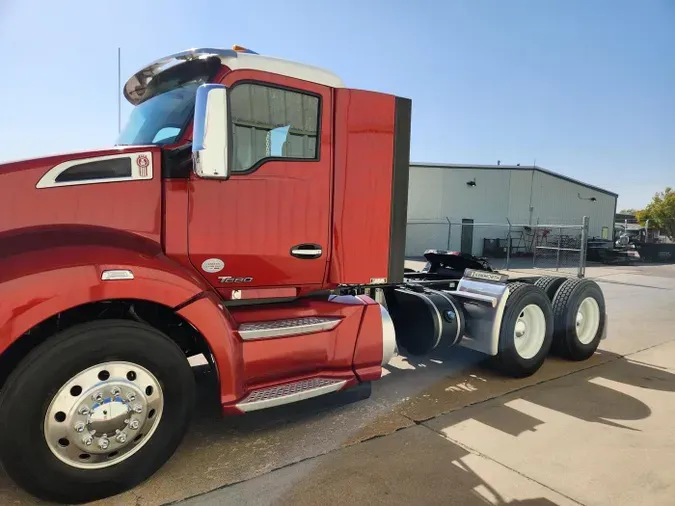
587 88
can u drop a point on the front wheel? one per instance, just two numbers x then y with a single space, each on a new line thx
94 411
526 330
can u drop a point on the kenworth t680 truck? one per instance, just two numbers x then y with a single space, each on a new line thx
254 212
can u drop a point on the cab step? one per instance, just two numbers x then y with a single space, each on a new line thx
289 327
290 392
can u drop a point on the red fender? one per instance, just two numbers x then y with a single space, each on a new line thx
36 285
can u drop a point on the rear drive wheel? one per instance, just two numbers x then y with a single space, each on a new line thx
94 411
579 318
526 330
550 285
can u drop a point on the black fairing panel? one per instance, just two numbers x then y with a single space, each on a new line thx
399 189
424 319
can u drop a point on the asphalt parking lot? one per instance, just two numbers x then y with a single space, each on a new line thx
449 430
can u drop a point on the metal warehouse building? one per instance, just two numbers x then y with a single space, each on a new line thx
449 205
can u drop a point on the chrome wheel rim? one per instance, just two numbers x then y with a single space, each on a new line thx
588 320
530 331
103 415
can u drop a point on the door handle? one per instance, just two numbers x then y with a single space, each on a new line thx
306 251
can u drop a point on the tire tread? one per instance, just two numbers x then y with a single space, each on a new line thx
38 376
507 359
561 344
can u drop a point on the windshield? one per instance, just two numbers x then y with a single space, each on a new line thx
168 103
160 119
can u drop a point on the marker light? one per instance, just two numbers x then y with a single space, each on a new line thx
242 49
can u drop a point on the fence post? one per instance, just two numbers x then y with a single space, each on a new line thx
449 231
557 253
582 247
508 244
534 244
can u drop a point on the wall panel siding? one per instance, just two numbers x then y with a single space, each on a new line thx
425 193
523 196
557 201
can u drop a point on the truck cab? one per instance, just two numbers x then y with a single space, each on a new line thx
277 200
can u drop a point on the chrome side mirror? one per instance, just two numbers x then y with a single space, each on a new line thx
210 134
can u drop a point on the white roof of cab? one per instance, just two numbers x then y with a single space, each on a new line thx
136 85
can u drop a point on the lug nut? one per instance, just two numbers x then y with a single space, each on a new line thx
103 444
121 437
97 397
138 408
115 391
87 440
79 427
84 410
134 424
131 397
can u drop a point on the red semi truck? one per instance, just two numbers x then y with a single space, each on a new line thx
248 207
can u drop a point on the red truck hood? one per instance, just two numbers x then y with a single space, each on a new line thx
30 197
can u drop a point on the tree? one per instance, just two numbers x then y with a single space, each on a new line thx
629 211
661 213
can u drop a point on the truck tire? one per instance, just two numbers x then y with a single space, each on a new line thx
579 319
94 411
526 330
550 285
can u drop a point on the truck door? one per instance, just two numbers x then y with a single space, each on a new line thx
268 224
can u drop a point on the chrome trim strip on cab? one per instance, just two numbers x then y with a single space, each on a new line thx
141 170
285 328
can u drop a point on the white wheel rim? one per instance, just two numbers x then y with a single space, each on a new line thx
529 332
103 415
587 320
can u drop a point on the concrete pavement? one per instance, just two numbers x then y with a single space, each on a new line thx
602 435
450 430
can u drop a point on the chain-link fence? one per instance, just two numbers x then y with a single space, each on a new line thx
558 247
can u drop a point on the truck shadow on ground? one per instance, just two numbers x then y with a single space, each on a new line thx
472 479
394 469
475 379
321 436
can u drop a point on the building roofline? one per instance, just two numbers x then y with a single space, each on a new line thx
514 167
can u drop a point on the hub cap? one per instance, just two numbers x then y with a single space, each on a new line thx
530 331
103 415
588 320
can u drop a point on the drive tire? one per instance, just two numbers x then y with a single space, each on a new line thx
527 312
30 392
570 338
550 285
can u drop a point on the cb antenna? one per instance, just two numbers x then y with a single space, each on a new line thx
119 90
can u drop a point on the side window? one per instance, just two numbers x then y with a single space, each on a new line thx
269 122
